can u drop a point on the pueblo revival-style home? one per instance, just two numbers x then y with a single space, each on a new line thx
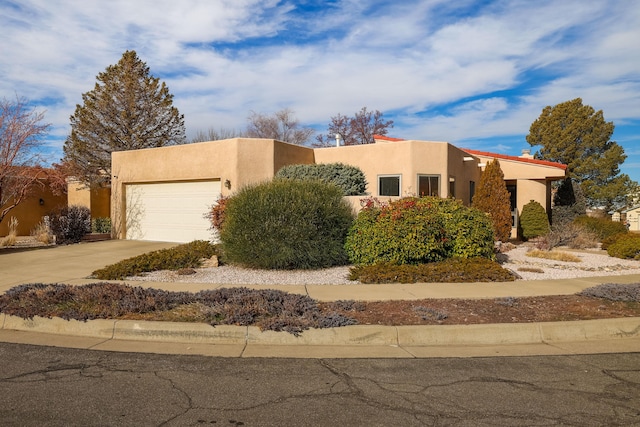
164 193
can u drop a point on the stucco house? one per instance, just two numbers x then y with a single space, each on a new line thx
31 211
633 218
163 193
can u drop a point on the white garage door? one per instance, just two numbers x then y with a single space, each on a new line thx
171 211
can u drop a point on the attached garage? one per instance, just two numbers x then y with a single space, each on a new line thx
170 211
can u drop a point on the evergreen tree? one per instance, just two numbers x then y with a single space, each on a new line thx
534 221
568 203
579 137
493 198
128 109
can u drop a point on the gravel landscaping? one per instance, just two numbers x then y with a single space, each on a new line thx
594 263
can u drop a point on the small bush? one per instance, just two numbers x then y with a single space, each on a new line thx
11 238
625 248
602 227
42 233
448 271
616 238
189 255
572 235
349 178
287 224
101 225
70 223
533 220
554 255
216 213
419 230
614 292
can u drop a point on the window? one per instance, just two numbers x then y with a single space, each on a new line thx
389 185
472 191
428 185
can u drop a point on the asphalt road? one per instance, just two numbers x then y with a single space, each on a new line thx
46 386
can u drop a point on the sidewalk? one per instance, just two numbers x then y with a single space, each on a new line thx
72 264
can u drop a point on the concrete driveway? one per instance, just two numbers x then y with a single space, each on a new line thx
68 263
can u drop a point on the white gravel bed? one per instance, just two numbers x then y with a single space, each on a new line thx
594 263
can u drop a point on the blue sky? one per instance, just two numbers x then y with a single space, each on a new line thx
474 73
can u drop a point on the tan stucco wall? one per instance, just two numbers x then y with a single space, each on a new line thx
30 212
238 161
98 200
633 216
409 159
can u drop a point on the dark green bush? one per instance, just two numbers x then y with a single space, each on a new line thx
447 271
419 230
349 178
188 255
625 247
615 237
602 227
70 223
287 224
101 225
534 221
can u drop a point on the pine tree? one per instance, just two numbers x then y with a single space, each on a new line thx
128 109
578 136
568 203
493 198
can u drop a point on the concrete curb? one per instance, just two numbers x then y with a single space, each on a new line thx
359 335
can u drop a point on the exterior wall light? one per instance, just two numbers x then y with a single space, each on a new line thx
227 184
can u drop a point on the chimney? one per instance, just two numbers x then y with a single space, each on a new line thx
526 154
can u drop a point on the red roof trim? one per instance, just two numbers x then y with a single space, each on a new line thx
387 138
516 158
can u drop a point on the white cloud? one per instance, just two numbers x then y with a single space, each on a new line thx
458 71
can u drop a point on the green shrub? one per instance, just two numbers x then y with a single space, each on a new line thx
70 224
101 225
349 178
287 224
419 230
625 248
534 221
447 271
616 237
188 255
602 227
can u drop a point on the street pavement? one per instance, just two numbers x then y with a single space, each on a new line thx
74 263
45 386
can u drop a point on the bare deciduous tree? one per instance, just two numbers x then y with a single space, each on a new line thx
359 129
21 132
216 134
282 125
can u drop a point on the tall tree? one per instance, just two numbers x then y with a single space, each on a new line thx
578 136
281 125
356 130
21 133
128 109
493 198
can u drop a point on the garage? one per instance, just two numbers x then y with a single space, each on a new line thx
170 211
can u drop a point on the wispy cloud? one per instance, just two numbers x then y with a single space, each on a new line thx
471 72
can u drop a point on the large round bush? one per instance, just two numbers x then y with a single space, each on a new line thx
419 230
287 224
